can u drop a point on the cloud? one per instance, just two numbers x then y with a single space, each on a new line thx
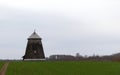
66 26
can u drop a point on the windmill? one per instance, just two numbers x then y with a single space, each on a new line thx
34 49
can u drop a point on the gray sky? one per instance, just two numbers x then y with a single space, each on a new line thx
67 26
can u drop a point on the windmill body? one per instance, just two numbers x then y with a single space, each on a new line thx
34 49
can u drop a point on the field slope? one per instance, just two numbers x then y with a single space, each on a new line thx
64 68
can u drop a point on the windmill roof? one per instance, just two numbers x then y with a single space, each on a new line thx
34 35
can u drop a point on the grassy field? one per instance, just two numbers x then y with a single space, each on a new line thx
1 64
64 68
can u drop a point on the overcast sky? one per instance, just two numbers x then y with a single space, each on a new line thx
66 26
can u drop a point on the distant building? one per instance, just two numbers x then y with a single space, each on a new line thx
61 57
34 49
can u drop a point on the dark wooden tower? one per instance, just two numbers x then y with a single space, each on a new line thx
34 49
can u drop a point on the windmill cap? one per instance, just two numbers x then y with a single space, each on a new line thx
34 35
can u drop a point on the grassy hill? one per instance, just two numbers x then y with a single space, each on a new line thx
63 68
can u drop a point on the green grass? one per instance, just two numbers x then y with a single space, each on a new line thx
64 68
1 64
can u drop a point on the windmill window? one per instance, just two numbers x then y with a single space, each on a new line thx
35 51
